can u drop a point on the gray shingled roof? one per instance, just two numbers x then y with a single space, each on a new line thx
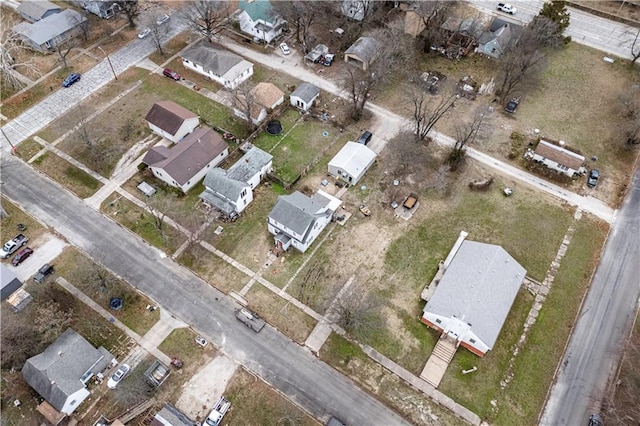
191 155
9 282
298 212
478 287
364 48
37 8
220 188
170 415
212 58
50 27
168 116
56 373
306 91
250 164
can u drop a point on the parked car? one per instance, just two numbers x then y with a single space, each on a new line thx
21 256
145 32
162 19
285 48
71 79
596 420
327 59
13 245
507 8
219 410
117 377
44 271
365 138
171 74
250 319
594 175
512 105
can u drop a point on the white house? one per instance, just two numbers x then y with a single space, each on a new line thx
185 164
61 372
171 121
304 96
221 66
472 300
558 158
258 19
231 191
351 162
297 220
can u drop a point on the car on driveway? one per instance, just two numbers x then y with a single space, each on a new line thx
117 377
21 256
72 78
285 48
171 74
365 138
592 180
507 8
145 32
162 19
43 272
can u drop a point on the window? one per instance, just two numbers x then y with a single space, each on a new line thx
438 321
472 340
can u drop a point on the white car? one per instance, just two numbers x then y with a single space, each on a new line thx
145 32
285 48
507 8
162 19
117 377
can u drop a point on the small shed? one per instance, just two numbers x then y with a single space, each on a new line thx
304 95
157 373
10 283
146 189
351 162
316 53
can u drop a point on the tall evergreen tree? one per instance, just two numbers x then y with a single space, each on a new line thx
556 11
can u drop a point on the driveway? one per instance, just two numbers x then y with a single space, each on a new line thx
45 249
303 378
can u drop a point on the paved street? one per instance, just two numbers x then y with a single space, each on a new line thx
283 364
609 309
62 100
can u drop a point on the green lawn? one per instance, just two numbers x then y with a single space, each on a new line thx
213 269
74 179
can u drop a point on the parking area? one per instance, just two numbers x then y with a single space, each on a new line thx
45 248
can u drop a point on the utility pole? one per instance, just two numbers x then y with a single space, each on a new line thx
109 61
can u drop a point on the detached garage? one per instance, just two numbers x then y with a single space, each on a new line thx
352 162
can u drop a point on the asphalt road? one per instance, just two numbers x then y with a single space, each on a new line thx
599 33
609 309
282 363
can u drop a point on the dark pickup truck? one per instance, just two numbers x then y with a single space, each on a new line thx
250 319
44 271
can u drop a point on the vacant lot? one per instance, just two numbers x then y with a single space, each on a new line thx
66 174
213 269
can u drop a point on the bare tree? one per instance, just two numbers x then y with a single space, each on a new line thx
434 13
466 133
161 205
629 104
244 101
427 109
522 56
63 49
158 32
131 10
206 17
358 311
633 41
19 342
12 48
301 15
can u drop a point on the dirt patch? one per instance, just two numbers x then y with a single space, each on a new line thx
205 387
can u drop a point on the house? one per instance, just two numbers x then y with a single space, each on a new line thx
316 53
494 41
414 17
363 52
460 36
185 164
35 10
351 162
50 32
231 191
105 9
474 296
304 95
61 372
171 416
171 121
297 220
9 282
355 9
259 20
265 97
558 158
221 66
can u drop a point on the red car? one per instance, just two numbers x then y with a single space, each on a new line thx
21 256
171 74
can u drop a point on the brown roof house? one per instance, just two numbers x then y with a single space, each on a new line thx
171 121
263 98
61 372
557 158
363 52
185 164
